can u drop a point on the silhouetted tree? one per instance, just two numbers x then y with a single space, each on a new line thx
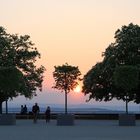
99 83
126 78
66 79
17 65
95 83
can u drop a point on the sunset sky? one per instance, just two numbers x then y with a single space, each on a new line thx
72 31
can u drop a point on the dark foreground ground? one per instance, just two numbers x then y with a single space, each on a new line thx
82 130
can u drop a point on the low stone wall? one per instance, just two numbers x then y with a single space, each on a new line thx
65 119
127 120
78 116
7 119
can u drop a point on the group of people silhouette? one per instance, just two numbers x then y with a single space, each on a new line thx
23 110
35 112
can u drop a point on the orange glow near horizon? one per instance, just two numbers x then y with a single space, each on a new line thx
77 89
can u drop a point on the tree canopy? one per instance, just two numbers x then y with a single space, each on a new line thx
66 78
17 63
99 81
126 77
11 79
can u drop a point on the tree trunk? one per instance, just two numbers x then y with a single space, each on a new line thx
126 104
6 103
0 107
66 86
66 102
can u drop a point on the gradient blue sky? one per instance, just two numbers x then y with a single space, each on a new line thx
73 31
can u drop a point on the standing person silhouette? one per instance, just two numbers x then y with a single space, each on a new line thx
35 111
21 110
25 110
48 114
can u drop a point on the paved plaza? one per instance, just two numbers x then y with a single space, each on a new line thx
82 130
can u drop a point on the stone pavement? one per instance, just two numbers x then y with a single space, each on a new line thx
82 130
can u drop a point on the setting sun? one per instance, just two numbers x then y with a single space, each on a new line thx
77 89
